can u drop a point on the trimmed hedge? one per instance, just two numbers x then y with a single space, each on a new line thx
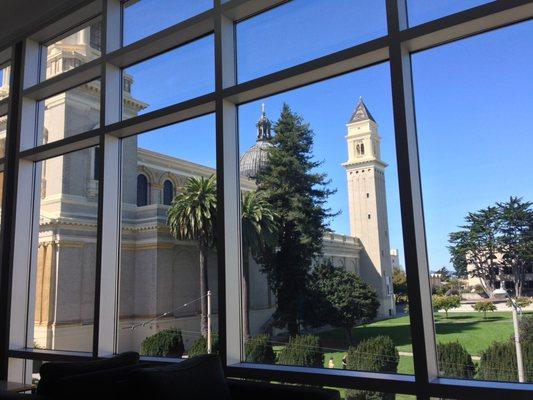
167 343
302 350
199 347
259 350
377 354
454 361
498 362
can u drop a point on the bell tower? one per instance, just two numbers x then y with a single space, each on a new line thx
365 172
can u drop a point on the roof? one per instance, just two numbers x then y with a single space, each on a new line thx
361 113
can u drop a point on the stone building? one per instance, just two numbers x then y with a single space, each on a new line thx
157 273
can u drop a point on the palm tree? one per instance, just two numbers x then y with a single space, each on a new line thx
258 228
191 216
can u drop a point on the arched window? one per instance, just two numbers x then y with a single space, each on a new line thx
362 149
168 192
358 149
142 190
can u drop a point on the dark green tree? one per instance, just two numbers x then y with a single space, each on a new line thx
341 299
258 230
298 194
516 240
167 343
191 216
477 244
454 361
302 350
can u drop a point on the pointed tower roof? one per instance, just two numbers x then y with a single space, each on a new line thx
361 113
256 157
263 126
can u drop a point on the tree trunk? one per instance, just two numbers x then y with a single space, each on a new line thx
349 336
245 292
292 326
204 287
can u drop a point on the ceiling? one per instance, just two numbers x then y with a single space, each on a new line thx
23 16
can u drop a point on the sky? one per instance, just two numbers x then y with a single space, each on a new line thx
473 98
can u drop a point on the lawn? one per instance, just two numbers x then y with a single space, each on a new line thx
470 329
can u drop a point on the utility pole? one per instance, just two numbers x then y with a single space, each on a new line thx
208 322
518 346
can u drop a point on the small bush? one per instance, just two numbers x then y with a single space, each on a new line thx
199 347
259 350
167 343
302 350
484 306
454 361
498 362
520 302
377 354
445 303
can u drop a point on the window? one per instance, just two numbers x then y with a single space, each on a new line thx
63 275
285 140
146 17
74 111
142 190
296 32
168 192
162 270
300 201
71 51
452 147
169 78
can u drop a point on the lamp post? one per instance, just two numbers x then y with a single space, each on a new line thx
502 293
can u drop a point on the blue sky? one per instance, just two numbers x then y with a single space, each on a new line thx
473 102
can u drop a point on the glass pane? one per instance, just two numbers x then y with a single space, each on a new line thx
75 111
66 255
74 50
161 295
421 11
473 107
322 228
3 132
175 76
4 82
146 17
300 30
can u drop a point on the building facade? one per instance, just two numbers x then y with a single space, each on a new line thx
158 274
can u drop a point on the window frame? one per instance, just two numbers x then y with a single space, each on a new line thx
27 89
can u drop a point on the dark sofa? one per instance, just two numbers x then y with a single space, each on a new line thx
124 377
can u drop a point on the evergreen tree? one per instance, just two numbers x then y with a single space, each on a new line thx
298 195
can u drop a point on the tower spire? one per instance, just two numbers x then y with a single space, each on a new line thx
263 126
361 113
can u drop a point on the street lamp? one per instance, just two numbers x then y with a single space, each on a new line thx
502 293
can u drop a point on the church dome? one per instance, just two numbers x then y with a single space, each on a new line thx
256 156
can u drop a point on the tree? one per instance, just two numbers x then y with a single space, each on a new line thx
477 245
484 306
445 275
445 303
516 226
192 216
521 302
342 299
302 350
399 283
258 228
298 195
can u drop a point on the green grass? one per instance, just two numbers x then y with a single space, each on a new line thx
470 329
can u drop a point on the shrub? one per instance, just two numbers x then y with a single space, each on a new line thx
259 350
445 303
302 350
454 361
484 306
498 362
167 343
377 354
526 328
199 347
